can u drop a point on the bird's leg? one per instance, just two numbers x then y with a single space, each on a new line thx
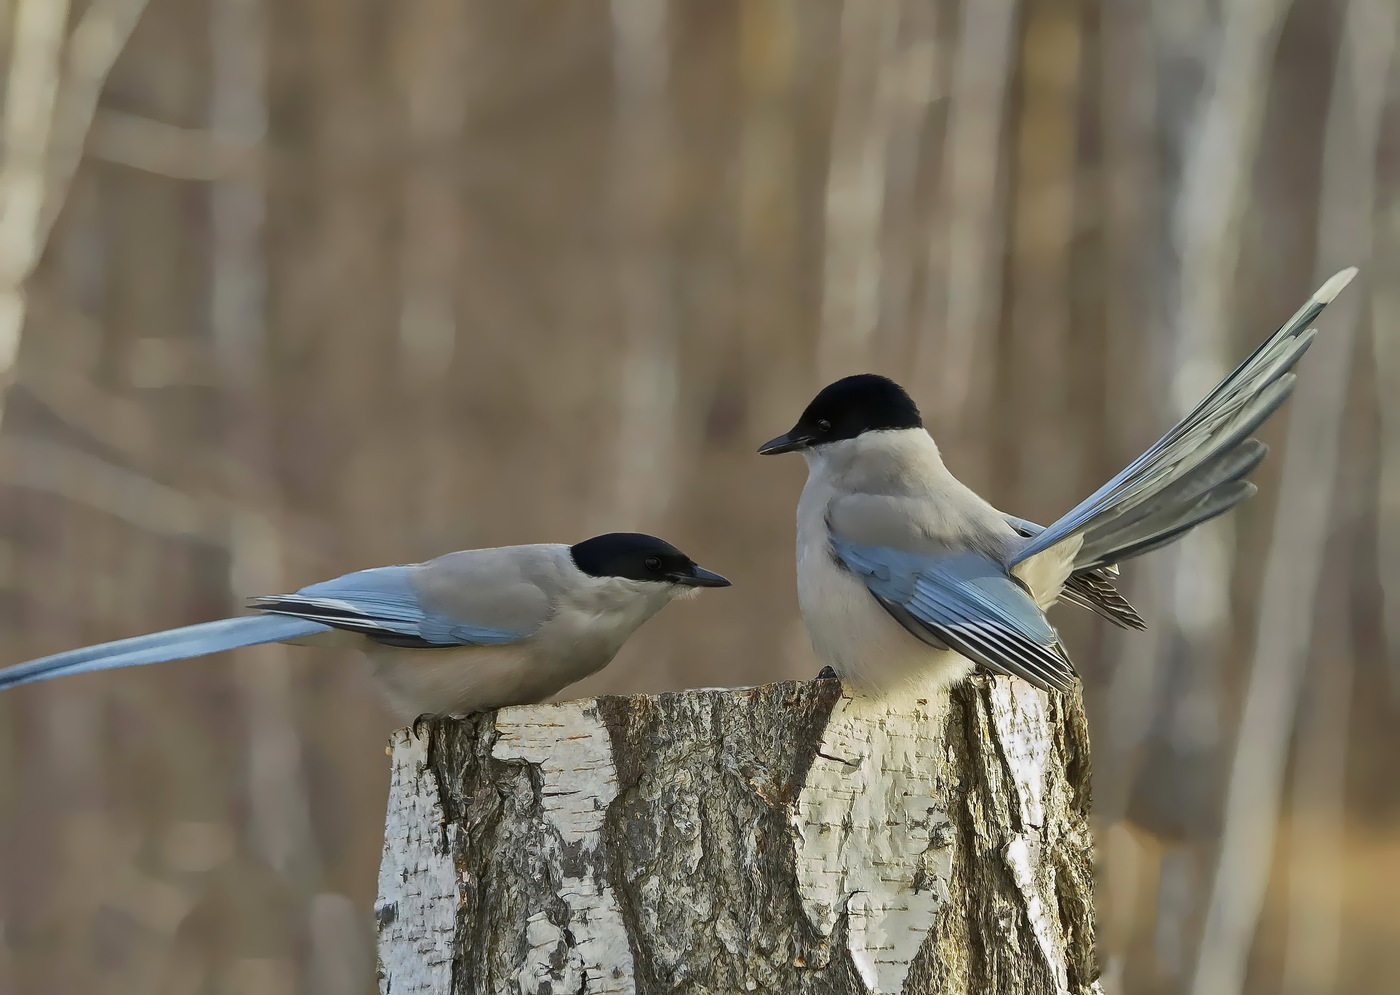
418 722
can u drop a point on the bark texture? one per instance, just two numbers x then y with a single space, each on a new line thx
788 838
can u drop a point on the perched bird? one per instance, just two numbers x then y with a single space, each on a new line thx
906 576
466 632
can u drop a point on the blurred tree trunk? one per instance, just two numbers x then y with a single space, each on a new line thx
786 838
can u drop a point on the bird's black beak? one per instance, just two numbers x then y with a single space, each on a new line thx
788 442
698 576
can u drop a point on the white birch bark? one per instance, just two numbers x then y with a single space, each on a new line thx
788 838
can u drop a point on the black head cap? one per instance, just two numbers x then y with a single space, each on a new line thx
634 556
852 406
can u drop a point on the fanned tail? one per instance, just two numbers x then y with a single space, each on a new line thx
1194 472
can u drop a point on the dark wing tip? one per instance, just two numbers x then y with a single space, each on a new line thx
1093 590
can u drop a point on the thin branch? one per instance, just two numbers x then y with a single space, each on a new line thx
122 425
1291 573
47 115
277 788
963 283
1385 344
1194 579
910 84
1208 225
643 166
1312 953
138 500
855 188
30 99
168 150
101 34
1037 351
1315 875
1132 186
767 266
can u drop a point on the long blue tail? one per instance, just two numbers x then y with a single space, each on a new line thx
158 647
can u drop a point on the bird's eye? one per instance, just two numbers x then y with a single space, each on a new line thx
653 563
823 425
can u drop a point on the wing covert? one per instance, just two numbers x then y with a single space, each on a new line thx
966 602
391 605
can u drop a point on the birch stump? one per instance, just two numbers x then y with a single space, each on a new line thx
788 838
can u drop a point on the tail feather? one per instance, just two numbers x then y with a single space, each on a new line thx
1200 453
1224 468
1168 508
1219 502
158 647
1192 473
1090 588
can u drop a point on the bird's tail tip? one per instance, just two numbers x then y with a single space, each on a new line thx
1334 286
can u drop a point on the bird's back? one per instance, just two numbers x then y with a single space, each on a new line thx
893 489
510 587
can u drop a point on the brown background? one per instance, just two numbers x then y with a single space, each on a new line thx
346 283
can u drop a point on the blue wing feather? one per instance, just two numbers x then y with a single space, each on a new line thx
380 603
965 602
383 604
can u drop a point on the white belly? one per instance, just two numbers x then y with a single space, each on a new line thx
461 681
852 633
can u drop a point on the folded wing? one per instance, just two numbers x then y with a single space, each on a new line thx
397 606
965 602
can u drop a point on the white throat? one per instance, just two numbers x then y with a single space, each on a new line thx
874 451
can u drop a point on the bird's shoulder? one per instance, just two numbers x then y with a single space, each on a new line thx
893 489
929 523
504 585
537 561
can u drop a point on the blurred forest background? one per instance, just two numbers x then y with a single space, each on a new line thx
292 288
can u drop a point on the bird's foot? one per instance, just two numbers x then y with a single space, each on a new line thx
828 674
418 723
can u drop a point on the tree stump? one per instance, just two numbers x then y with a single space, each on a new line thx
789 838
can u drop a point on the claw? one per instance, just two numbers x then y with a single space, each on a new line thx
828 674
418 722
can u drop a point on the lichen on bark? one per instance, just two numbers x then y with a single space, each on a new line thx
788 838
